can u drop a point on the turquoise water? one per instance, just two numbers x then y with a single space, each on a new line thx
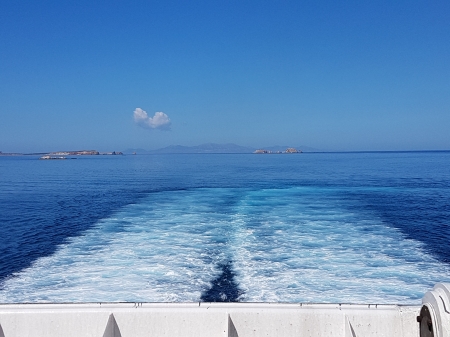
342 227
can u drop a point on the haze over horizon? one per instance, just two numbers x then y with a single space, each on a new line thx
333 76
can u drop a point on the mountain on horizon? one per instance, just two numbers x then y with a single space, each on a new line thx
214 148
203 148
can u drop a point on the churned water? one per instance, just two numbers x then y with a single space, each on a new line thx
335 227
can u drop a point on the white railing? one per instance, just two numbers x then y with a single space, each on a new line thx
228 319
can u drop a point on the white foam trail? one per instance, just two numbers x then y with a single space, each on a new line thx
305 247
158 250
290 245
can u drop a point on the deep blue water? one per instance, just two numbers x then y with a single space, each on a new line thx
331 227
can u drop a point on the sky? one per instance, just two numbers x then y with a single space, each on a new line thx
332 75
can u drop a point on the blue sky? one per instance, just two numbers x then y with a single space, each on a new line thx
333 75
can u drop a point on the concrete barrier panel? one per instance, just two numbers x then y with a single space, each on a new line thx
53 323
166 322
382 320
288 322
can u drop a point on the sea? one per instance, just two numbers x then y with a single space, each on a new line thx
359 227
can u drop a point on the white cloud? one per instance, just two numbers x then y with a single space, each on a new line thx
159 121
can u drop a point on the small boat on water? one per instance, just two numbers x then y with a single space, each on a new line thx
51 157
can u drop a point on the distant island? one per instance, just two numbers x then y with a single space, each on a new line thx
59 154
10 154
84 153
288 150
63 154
